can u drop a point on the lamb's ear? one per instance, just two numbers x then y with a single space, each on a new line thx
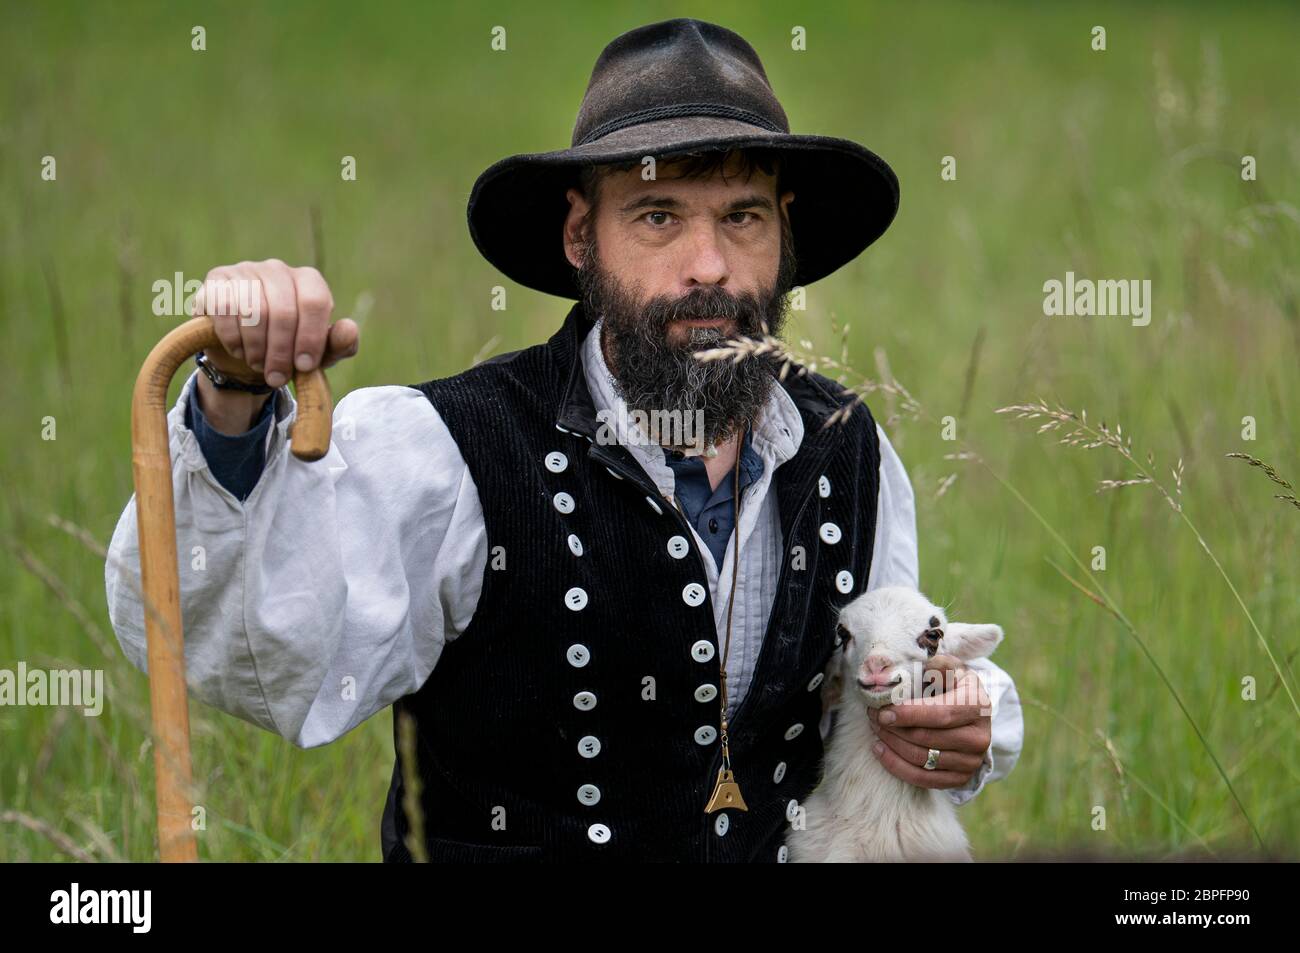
967 641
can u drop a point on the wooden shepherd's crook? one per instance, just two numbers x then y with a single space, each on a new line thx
156 516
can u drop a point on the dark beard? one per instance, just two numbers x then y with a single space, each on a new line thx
653 375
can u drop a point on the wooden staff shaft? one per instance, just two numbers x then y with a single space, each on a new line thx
159 571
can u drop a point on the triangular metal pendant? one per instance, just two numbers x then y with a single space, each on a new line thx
726 793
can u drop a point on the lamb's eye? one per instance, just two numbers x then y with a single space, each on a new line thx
929 639
845 636
934 622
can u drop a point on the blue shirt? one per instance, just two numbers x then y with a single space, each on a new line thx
236 461
711 511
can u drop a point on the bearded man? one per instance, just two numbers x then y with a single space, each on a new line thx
608 646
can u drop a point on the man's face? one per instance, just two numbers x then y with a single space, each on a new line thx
677 265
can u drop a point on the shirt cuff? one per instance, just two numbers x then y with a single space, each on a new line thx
973 787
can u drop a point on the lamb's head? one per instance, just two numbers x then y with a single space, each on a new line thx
886 636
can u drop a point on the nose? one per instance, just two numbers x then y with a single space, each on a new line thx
705 262
877 671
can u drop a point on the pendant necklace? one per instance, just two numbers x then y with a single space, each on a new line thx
726 791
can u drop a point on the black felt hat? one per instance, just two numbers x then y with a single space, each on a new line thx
681 86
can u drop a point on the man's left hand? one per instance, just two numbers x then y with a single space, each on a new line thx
956 722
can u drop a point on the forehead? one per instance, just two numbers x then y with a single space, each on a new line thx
891 610
717 185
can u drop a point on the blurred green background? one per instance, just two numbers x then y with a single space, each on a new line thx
1116 164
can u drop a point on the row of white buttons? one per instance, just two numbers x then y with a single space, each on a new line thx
830 533
576 599
578 657
556 462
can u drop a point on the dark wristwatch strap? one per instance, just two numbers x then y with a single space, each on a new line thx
225 382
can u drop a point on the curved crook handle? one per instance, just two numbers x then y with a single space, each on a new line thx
160 585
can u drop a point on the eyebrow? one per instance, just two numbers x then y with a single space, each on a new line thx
667 202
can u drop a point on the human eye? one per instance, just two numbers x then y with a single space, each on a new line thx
657 219
741 219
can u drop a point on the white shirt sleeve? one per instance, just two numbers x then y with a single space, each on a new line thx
894 562
331 590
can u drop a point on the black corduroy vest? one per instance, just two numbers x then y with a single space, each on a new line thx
576 717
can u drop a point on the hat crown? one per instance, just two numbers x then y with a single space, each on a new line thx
679 67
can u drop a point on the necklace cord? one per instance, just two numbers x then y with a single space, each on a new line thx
731 600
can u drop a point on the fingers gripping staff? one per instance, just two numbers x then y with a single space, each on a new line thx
151 462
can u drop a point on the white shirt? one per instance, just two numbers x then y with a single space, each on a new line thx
330 592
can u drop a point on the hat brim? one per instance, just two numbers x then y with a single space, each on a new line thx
845 196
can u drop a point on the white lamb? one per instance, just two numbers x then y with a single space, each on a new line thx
859 811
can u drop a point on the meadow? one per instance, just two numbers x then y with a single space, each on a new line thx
1160 689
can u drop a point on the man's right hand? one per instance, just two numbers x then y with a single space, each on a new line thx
271 319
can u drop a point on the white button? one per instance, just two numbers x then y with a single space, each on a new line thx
576 598
779 773
693 594
794 731
589 746
678 547
598 833
815 681
578 655
702 651
722 824
564 503
584 701
782 854
654 506
830 533
575 545
706 693
705 734
612 473
823 487
844 581
556 462
589 794
792 810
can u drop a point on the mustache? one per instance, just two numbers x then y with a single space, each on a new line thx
743 309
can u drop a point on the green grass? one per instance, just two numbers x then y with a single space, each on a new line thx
1122 164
